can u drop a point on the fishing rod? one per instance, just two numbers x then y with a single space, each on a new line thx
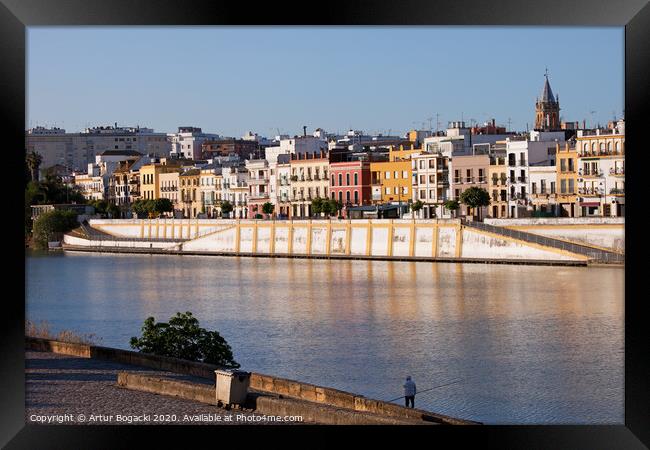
430 389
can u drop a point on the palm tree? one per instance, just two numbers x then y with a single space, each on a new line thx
34 161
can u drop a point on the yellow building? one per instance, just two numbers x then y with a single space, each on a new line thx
150 178
391 181
190 194
566 163
497 187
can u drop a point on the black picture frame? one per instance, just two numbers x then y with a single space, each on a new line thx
634 15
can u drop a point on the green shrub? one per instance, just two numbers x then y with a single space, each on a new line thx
183 338
51 224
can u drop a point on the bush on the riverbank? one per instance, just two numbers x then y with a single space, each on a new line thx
42 330
183 338
52 224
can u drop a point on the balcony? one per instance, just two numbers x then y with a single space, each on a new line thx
589 191
258 181
521 162
617 191
617 171
590 173
259 195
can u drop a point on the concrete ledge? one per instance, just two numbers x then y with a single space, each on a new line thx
261 404
203 393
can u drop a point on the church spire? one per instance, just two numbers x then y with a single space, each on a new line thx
547 108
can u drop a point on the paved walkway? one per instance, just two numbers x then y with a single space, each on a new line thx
70 390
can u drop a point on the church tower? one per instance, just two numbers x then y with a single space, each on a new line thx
547 109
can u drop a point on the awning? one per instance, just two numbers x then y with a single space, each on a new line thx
593 204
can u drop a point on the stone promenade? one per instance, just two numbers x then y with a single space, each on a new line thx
71 390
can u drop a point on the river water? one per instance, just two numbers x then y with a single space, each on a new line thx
530 344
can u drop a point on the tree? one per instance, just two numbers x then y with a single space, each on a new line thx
161 205
335 206
33 161
51 223
139 207
318 206
475 197
451 205
182 338
417 206
267 208
226 208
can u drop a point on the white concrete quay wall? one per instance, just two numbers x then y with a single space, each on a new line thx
386 238
603 232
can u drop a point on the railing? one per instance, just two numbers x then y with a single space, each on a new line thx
96 235
617 191
595 254
617 171
590 173
589 191
521 162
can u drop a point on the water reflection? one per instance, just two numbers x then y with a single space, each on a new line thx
531 344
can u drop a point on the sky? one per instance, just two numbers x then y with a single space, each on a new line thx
231 80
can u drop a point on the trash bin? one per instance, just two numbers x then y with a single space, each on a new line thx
232 386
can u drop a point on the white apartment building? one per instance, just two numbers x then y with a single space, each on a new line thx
543 190
280 175
186 143
235 190
522 151
601 172
258 184
169 183
430 184
295 145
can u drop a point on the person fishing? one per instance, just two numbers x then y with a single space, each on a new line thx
409 392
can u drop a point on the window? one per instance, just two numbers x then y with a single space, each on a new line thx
341 196
396 190
387 190
552 187
422 194
347 196
396 173
347 180
571 186
571 169
432 178
356 178
421 164
405 174
534 188
356 197
340 179
432 164
543 186
387 175
562 165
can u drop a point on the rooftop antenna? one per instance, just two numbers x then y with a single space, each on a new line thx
437 122
430 119
592 117
509 120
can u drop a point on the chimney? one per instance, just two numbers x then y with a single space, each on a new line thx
304 130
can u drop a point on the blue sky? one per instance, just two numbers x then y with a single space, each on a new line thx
229 80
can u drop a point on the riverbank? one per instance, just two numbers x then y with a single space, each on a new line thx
321 404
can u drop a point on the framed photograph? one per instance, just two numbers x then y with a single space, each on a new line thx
382 218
